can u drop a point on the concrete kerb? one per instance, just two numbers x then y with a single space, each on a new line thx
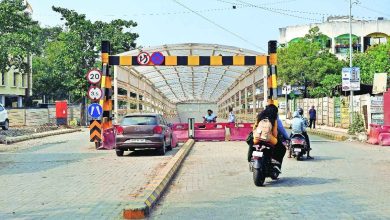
11 140
337 137
141 207
330 135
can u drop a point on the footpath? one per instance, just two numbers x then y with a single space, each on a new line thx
338 134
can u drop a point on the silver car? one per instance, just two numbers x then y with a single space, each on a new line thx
4 121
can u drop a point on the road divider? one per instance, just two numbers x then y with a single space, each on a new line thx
11 140
142 205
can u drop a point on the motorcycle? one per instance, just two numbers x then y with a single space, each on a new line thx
298 146
262 165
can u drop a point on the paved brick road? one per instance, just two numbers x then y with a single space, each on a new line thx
63 177
345 181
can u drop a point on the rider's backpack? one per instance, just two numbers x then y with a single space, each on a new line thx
264 129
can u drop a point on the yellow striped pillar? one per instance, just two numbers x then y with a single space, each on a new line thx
106 87
272 73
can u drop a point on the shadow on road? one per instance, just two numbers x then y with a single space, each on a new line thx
150 153
320 158
300 181
11 164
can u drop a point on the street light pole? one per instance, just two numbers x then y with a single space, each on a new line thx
350 58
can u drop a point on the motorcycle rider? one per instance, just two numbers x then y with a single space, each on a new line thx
299 125
278 134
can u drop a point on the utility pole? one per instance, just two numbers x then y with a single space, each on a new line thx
350 58
285 90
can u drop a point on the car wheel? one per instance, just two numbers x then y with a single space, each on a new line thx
119 153
6 125
169 147
162 150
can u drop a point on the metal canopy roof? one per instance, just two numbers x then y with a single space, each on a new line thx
192 83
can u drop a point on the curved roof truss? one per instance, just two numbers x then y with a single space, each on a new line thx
193 83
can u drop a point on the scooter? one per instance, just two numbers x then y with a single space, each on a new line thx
298 146
262 165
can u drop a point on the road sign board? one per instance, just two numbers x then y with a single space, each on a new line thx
95 93
95 131
143 58
157 58
95 110
350 79
94 76
286 89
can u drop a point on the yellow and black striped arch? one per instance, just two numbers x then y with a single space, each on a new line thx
200 60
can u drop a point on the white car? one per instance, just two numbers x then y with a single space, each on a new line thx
4 122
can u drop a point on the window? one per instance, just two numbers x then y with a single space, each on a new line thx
139 120
122 91
24 80
3 78
15 79
378 40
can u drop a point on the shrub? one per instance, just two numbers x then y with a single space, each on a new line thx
357 125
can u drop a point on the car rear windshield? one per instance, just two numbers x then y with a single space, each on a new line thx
139 120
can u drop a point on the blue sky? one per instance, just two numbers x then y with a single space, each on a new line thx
167 22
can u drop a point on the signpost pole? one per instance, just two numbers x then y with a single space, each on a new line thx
350 58
115 94
286 103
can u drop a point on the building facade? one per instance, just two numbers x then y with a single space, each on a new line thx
14 85
365 33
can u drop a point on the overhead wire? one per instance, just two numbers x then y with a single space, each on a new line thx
220 26
279 11
373 10
270 3
169 13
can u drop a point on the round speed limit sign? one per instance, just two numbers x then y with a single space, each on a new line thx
95 93
94 76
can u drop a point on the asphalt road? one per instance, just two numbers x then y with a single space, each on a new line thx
64 177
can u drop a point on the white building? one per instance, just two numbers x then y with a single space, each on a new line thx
364 33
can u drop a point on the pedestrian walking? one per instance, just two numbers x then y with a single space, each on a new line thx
313 116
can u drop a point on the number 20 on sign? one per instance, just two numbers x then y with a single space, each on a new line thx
94 76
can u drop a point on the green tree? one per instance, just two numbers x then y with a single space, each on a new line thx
18 36
71 52
326 86
375 60
307 62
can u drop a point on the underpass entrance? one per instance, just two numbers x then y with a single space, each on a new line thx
159 79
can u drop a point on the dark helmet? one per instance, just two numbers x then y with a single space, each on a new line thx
300 111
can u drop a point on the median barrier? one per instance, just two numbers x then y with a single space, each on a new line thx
373 136
109 139
240 131
209 132
179 133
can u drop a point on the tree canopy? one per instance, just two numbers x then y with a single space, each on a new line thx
375 60
74 50
307 62
19 36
